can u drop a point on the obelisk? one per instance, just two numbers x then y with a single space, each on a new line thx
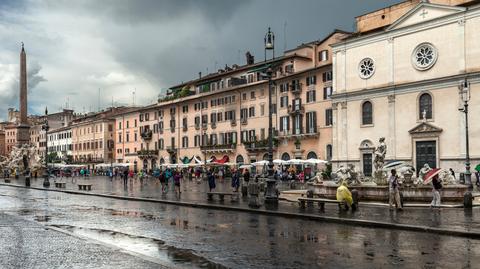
23 128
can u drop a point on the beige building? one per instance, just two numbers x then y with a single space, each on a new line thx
398 77
225 114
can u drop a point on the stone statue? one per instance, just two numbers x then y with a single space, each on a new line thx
446 177
342 174
380 152
354 177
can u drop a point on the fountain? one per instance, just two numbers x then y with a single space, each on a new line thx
22 160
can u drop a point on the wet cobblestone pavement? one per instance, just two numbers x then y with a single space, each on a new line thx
188 237
447 218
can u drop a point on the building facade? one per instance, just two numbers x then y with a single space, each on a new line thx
400 80
225 114
60 144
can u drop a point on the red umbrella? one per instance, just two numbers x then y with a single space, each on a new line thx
429 176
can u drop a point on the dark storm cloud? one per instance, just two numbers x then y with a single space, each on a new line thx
148 45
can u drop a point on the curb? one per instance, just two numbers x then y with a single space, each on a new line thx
345 221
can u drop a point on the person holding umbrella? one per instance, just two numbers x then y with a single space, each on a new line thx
477 174
432 176
393 190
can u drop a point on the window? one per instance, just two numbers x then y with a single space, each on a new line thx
197 121
311 122
141 117
197 140
120 126
185 142
329 152
323 55
135 137
219 116
284 123
147 116
311 96
172 110
327 76
161 144
367 111
366 68
230 115
311 80
327 92
283 101
184 123
244 96
213 117
204 119
424 56
185 109
127 137
328 117
160 126
252 95
135 123
262 109
172 124
251 112
284 87
425 106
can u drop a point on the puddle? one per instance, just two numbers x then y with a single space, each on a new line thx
42 218
155 248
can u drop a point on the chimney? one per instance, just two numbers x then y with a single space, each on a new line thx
199 74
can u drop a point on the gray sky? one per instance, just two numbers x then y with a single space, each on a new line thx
75 48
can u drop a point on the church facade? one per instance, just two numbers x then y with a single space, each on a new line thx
402 82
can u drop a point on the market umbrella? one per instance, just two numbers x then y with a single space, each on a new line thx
429 176
260 163
393 164
477 168
279 162
315 161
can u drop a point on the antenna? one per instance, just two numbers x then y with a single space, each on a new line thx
285 36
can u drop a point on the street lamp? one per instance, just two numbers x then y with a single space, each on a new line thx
46 175
271 195
464 91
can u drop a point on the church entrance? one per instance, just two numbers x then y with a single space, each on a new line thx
426 152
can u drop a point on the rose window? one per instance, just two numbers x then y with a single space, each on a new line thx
366 68
424 56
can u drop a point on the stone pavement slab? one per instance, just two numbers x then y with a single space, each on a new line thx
27 244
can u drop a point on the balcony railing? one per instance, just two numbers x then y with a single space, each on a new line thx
296 88
171 149
244 121
299 133
233 123
197 126
184 128
296 109
213 125
260 145
147 153
204 126
219 147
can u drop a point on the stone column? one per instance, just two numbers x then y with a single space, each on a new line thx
23 86
391 139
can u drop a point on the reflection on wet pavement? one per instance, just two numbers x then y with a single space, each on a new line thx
194 237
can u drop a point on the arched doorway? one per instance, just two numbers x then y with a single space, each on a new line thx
240 159
285 156
311 155
265 157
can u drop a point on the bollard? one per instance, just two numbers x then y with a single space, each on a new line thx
468 200
354 200
253 191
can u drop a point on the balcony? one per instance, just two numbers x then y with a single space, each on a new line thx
171 149
261 145
218 148
184 128
233 123
147 154
296 88
299 133
296 109
172 129
213 125
197 126
204 126
244 121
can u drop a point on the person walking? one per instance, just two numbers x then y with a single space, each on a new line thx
176 181
211 181
163 181
235 180
125 176
393 191
437 186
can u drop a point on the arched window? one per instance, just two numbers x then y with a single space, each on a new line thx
311 155
329 153
425 106
265 157
367 111
240 159
285 156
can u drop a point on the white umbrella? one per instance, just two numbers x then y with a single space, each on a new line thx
260 163
295 161
245 166
315 161
279 162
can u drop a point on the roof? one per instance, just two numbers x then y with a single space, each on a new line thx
212 76
320 41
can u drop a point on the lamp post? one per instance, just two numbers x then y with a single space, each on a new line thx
464 91
46 175
271 195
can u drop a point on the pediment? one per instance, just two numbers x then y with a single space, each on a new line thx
425 128
424 12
